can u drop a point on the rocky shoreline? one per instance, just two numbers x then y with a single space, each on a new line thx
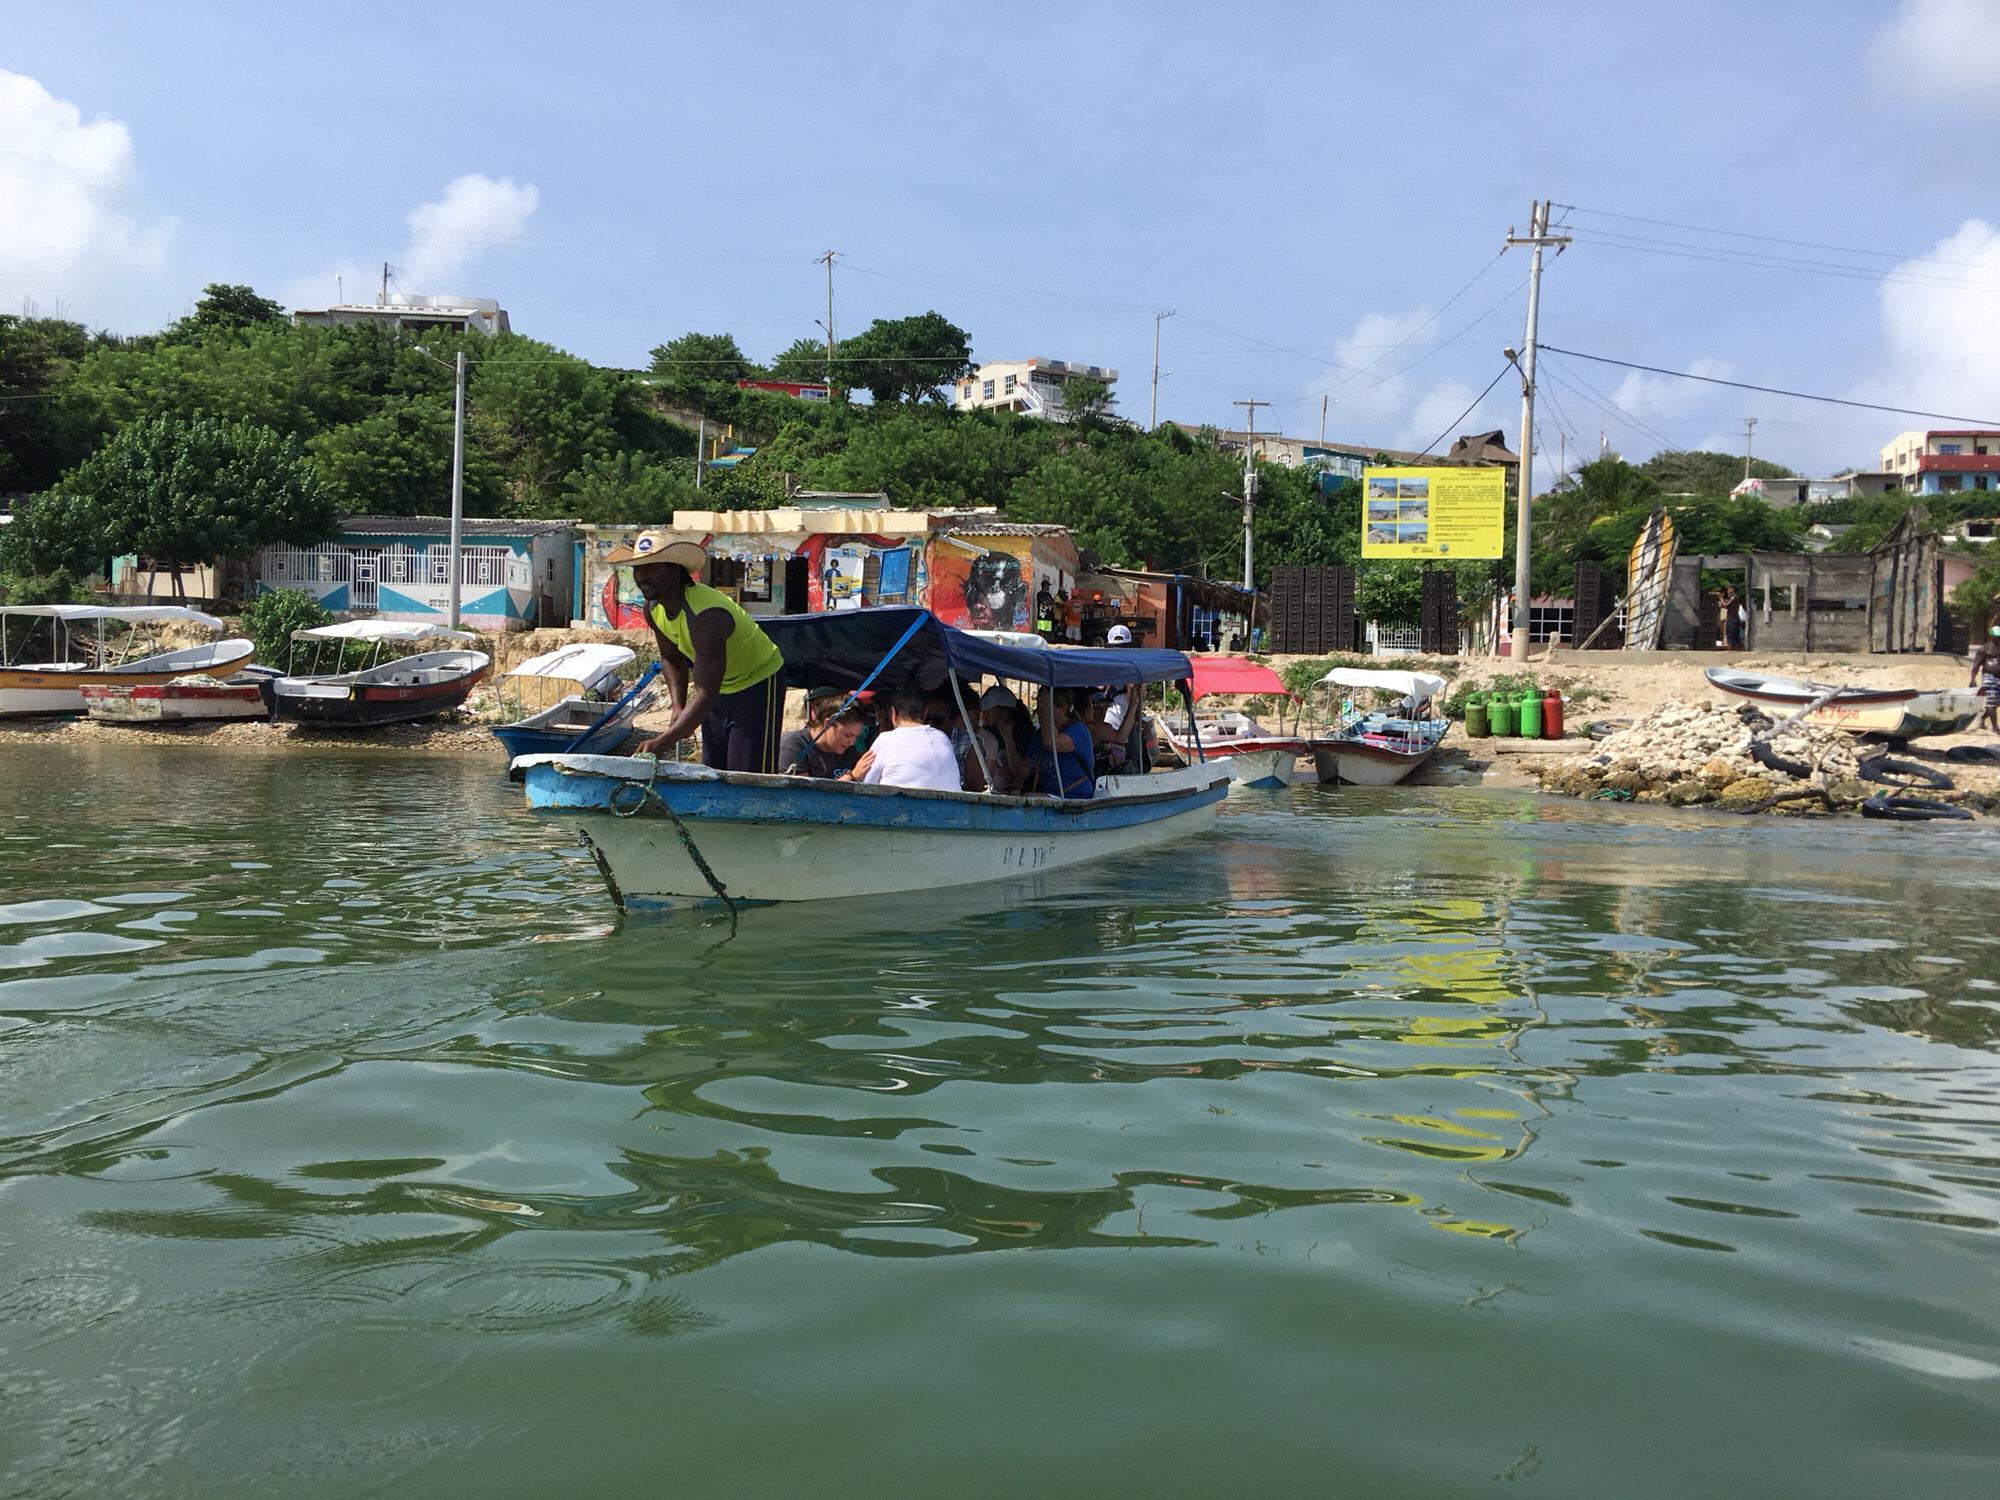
1728 757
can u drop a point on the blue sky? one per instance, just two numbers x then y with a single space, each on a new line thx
1306 185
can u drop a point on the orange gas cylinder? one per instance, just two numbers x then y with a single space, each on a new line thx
1552 715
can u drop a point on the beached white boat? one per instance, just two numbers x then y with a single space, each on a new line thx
1372 747
398 691
50 652
1894 713
792 838
199 698
1261 757
592 716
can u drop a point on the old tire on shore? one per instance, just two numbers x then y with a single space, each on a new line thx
1913 810
1885 771
1764 755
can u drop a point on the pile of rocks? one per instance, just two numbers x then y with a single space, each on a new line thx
1691 753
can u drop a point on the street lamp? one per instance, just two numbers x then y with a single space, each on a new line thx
457 476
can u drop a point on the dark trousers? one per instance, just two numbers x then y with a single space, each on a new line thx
741 731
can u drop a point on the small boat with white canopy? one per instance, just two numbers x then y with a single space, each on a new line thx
399 690
1369 746
665 833
595 711
50 652
1260 757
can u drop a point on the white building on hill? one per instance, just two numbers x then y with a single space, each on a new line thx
1033 387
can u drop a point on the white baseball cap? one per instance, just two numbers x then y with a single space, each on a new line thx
1118 635
999 696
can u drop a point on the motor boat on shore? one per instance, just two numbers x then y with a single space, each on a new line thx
593 717
400 690
1260 757
50 652
1893 713
198 698
666 833
1375 747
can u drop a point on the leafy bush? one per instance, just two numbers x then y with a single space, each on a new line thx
58 587
271 618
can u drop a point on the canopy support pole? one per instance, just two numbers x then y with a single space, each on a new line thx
1194 726
971 728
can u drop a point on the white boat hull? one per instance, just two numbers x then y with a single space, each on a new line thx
1357 768
57 687
808 850
1264 768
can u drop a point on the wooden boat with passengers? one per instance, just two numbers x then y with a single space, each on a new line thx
666 833
400 690
49 653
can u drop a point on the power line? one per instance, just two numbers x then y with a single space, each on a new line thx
1467 412
1773 239
1724 255
1772 390
1610 408
1477 276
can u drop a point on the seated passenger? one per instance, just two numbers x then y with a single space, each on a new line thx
1063 757
824 748
1010 748
912 753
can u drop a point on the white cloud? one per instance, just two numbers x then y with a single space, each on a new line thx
1939 51
1661 398
446 236
1383 395
65 240
1939 332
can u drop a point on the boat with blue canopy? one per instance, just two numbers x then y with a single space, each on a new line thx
665 833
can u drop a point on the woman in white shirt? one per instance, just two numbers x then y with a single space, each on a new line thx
912 753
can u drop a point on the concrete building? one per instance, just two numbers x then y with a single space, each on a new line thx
1033 387
513 574
416 314
1944 462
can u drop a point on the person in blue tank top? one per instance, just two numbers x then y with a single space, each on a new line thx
1064 761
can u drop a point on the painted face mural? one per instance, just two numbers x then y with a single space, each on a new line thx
996 597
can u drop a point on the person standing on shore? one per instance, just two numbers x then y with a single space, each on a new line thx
1986 677
722 671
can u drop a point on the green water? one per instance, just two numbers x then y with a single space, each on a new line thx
1379 1145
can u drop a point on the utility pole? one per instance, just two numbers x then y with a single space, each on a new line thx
1749 429
457 488
827 261
1153 410
700 447
1537 237
1322 421
382 297
1249 482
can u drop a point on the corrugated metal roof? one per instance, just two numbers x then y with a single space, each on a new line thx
441 526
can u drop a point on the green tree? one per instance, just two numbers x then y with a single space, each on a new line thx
1699 472
186 492
906 359
629 488
1089 403
802 360
47 423
697 369
226 308
272 617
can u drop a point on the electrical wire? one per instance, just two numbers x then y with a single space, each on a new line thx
1467 412
1610 408
1771 390
1772 239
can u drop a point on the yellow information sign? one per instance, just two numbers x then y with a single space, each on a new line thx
1452 512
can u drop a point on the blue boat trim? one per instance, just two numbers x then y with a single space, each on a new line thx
838 805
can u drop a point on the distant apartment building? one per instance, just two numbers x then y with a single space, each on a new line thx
1943 462
1033 387
416 314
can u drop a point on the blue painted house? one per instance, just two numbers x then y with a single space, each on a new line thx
514 574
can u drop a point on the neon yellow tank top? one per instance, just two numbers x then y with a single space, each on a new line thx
753 655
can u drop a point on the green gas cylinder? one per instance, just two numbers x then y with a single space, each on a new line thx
1530 716
1500 710
1476 726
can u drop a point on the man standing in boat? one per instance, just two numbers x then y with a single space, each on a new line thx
723 673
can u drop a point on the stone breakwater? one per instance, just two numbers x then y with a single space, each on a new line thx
1695 754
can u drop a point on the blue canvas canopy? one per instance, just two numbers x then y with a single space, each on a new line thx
840 649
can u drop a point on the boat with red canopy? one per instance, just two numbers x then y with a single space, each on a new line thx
1262 758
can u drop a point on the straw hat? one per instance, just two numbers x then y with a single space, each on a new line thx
658 545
